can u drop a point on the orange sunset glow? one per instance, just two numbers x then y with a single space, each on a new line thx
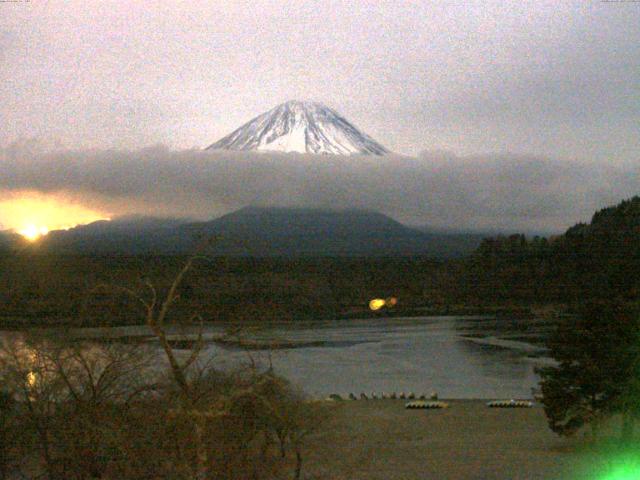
35 215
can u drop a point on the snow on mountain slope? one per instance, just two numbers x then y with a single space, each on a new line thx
304 127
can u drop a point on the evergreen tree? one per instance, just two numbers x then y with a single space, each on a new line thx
598 357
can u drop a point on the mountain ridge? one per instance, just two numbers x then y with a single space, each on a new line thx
261 232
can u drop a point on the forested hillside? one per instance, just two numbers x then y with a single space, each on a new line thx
596 260
505 274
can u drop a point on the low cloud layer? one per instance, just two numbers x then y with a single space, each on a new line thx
440 189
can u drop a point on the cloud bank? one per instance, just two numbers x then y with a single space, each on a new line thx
489 192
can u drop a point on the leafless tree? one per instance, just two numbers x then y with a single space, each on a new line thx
7 406
72 394
123 420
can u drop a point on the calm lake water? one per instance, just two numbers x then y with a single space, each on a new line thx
458 357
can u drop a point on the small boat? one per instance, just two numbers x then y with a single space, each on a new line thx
420 404
510 404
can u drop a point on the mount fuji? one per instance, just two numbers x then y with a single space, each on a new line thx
303 127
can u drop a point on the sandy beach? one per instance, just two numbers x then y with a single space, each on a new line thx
380 439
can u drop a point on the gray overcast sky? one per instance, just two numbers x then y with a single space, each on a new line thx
559 79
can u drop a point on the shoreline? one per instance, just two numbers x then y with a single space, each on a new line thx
468 440
14 322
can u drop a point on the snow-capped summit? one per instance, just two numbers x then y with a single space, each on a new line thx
304 127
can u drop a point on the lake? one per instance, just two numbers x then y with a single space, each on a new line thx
457 357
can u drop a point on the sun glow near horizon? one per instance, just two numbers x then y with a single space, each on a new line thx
33 233
34 215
